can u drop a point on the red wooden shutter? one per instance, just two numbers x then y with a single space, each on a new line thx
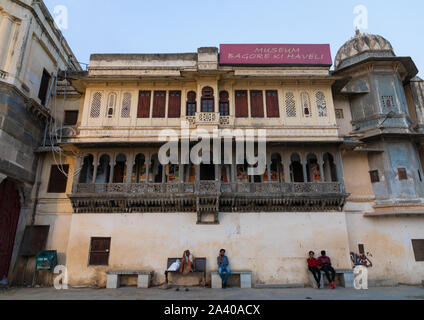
99 251
159 104
144 104
174 105
58 181
256 104
241 104
272 107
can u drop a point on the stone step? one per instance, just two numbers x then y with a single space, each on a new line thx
280 286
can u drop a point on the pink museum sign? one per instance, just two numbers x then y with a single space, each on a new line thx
282 54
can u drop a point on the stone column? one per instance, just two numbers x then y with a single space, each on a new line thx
268 166
304 162
130 165
182 173
96 162
286 165
147 161
112 168
6 29
321 166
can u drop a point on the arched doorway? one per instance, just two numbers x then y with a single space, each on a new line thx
9 216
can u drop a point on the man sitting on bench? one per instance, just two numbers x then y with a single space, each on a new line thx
325 265
188 263
223 264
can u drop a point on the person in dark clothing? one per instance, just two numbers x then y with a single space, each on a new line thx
325 265
223 264
313 266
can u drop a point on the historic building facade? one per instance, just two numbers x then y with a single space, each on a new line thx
343 162
32 50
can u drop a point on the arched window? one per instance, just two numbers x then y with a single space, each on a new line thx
312 168
296 169
126 105
172 173
103 169
120 169
224 103
277 171
330 169
111 103
96 104
242 172
87 170
208 100
155 170
139 169
306 104
321 104
290 105
191 104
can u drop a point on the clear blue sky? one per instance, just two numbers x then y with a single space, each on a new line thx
162 26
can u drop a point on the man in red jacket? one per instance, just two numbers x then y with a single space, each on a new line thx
313 266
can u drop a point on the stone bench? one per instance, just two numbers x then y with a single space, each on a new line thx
113 278
245 279
200 268
346 278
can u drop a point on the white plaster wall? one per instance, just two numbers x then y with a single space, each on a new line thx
272 245
388 240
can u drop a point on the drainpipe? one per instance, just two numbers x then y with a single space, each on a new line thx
37 187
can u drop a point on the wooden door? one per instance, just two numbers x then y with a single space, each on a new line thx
9 216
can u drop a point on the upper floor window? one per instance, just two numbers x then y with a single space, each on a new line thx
241 103
191 104
58 179
388 101
174 104
256 104
71 118
290 105
306 104
111 104
272 107
126 105
96 104
224 103
208 100
44 87
321 104
143 110
159 104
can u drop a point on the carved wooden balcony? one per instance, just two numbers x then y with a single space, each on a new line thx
207 197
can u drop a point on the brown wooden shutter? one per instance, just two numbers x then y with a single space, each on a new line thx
144 104
99 251
272 107
256 104
403 174
159 104
71 118
375 177
58 181
241 104
174 104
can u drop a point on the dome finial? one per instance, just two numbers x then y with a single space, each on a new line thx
357 32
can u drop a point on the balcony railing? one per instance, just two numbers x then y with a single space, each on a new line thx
226 197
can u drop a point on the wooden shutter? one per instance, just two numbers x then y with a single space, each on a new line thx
375 177
99 251
272 107
144 104
174 104
58 181
241 104
256 104
159 104
71 118
403 174
418 247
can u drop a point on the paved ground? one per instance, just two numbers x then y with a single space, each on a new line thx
130 293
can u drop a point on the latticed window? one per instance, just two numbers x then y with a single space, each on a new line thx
290 105
95 105
321 104
126 105
306 104
111 103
